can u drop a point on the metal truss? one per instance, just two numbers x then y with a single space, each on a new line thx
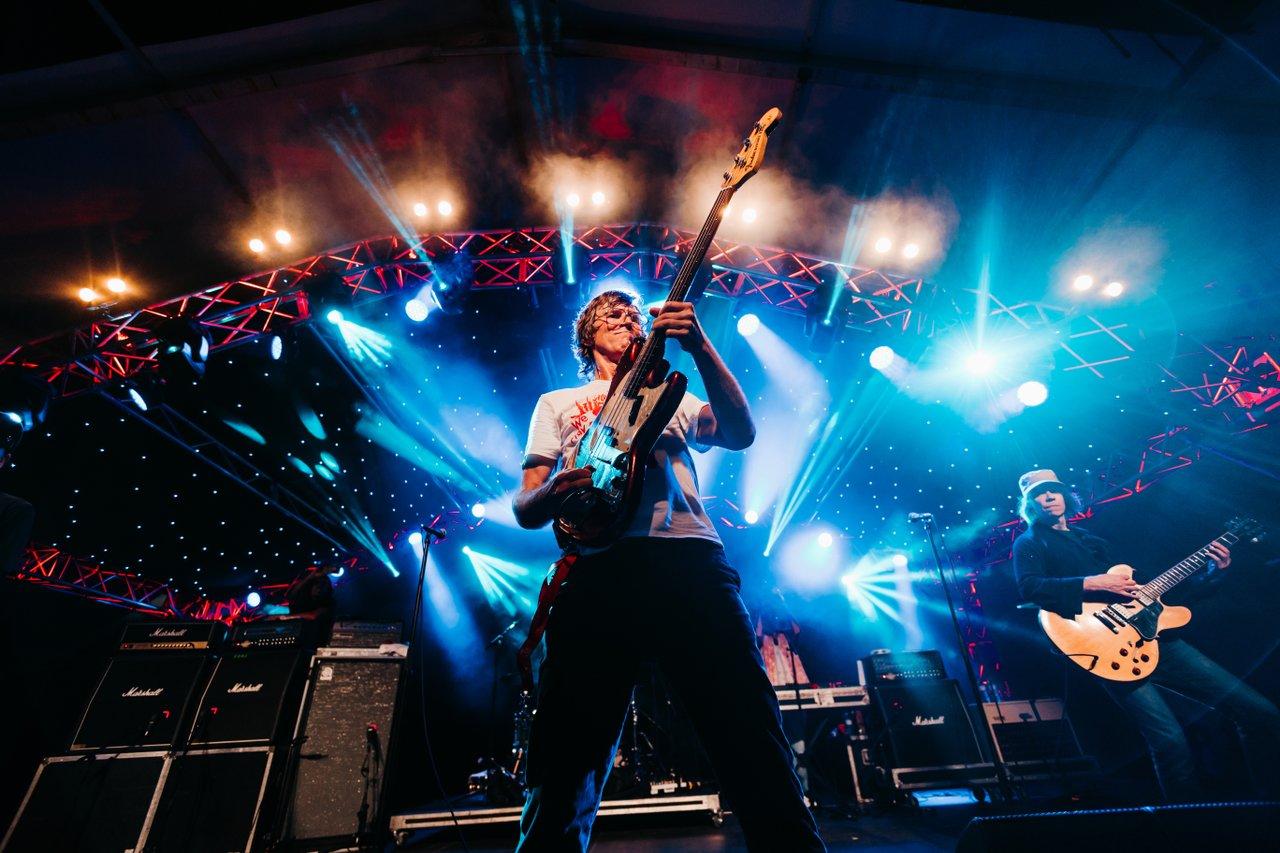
65 572
112 347
1086 343
1237 380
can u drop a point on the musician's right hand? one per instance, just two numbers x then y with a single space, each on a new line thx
1116 584
570 480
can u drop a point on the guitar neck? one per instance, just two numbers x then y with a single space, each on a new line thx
656 343
1185 569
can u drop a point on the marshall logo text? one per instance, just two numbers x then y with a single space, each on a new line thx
142 692
245 688
929 721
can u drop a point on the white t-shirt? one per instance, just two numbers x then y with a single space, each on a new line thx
671 504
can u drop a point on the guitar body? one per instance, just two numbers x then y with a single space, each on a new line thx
617 447
1117 649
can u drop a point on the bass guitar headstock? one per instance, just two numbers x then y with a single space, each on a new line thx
751 155
1247 529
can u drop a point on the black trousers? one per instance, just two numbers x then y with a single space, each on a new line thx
1184 669
675 602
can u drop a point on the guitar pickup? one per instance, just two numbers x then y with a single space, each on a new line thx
1105 621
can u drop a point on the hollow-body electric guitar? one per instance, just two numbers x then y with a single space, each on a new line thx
644 394
1118 641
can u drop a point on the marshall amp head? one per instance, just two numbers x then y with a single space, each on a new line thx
886 667
273 634
172 636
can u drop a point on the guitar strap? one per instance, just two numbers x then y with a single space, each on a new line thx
555 580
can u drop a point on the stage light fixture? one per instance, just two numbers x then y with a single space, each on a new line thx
1032 393
334 316
283 237
183 349
899 561
275 346
883 245
253 599
911 250
478 510
257 246
748 325
417 310
88 295
419 209
444 207
136 396
573 199
881 357
751 516
454 276
979 363
597 198
1081 283
117 285
415 539
24 401
749 215
825 540
1113 289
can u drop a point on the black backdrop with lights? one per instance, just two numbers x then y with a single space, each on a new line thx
108 488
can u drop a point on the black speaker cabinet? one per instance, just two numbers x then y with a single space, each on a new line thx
212 801
928 739
140 702
346 725
246 699
99 802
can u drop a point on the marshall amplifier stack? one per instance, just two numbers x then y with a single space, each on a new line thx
177 747
921 735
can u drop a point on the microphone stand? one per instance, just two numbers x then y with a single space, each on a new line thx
931 528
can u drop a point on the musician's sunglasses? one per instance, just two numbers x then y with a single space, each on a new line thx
622 316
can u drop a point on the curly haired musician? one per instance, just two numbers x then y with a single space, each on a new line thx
663 592
1058 568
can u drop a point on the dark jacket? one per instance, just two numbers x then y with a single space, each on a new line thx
1050 566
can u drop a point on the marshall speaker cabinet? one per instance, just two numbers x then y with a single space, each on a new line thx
246 699
927 739
104 801
140 702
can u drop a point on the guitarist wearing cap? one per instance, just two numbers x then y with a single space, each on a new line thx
663 592
1059 568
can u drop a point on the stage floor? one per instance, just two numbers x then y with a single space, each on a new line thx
904 831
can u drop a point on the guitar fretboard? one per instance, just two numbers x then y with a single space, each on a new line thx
1183 570
653 347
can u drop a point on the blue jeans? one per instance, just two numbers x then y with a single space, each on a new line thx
675 602
1183 669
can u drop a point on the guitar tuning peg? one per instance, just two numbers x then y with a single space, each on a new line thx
746 143
726 176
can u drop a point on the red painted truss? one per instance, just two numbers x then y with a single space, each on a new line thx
117 345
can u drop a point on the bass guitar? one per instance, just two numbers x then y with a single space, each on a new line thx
645 393
1118 642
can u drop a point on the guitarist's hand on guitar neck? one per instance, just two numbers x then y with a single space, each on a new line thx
1219 553
677 320
1115 584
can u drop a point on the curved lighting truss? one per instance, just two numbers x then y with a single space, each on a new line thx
113 347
